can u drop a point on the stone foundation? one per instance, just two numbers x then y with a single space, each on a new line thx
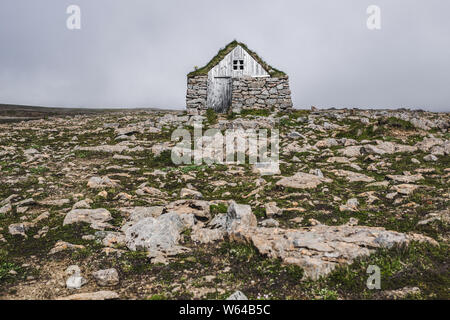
247 93
196 94
261 93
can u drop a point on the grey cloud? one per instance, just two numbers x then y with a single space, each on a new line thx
137 53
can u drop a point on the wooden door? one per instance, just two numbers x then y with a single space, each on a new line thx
219 97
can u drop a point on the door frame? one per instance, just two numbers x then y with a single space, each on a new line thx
224 106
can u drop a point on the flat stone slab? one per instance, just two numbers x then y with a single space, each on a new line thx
99 295
320 249
302 180
353 176
97 218
101 182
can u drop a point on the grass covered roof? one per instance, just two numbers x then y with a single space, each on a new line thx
228 48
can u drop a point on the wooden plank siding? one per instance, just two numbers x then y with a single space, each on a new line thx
219 89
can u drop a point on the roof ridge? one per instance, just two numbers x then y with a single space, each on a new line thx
226 50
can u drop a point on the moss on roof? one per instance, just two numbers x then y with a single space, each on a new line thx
228 48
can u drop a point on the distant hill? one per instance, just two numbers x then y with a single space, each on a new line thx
12 113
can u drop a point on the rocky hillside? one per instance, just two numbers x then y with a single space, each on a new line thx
92 207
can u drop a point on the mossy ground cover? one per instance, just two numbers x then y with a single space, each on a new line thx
233 265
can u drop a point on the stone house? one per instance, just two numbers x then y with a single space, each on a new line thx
235 79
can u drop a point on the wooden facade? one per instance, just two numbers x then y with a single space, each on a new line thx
235 79
236 64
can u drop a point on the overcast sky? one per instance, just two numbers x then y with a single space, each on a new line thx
136 53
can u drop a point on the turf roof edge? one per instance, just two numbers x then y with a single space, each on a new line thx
228 48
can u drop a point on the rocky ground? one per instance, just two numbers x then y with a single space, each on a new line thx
92 207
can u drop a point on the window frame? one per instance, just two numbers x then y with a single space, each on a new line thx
238 64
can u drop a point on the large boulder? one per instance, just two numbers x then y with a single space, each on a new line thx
156 235
107 277
351 151
426 144
101 182
75 280
320 249
386 147
138 213
19 229
199 208
272 209
239 216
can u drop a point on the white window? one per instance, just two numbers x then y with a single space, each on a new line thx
238 64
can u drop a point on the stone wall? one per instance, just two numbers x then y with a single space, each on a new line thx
247 93
196 94
261 93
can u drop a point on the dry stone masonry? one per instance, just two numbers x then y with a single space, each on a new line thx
247 93
196 94
237 79
261 93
